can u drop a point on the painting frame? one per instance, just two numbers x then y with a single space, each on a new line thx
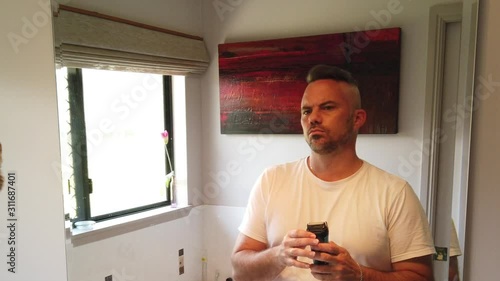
261 82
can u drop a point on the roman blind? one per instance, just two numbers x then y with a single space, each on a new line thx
85 39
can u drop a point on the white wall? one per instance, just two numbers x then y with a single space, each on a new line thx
177 15
146 254
234 21
151 253
220 229
29 135
482 247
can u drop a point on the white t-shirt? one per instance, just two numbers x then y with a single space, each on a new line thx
376 216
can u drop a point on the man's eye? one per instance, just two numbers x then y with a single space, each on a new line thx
305 112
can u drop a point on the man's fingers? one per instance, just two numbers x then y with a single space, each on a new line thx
299 238
330 248
297 263
297 252
325 257
300 233
297 244
300 242
293 257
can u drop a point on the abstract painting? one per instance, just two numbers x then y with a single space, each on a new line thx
262 82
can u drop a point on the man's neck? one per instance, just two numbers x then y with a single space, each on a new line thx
330 167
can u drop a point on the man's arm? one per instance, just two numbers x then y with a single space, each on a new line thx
341 264
453 269
415 269
253 260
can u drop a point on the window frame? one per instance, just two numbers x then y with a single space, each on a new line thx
82 183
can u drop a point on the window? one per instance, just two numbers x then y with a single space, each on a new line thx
113 154
103 163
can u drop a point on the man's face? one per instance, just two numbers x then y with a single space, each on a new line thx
328 116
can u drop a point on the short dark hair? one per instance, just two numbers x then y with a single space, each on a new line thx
323 71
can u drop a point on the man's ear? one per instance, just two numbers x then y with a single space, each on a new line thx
359 118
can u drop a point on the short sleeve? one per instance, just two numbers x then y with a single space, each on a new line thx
253 224
409 231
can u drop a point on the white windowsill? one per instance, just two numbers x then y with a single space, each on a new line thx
114 227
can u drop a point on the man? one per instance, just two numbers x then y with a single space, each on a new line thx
378 229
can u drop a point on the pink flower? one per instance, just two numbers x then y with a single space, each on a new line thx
164 134
170 176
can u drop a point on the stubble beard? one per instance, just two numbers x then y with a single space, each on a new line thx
318 146
331 145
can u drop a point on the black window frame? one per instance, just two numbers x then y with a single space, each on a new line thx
82 183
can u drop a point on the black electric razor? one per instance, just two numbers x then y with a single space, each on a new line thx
320 229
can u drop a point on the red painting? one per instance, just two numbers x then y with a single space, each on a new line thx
262 82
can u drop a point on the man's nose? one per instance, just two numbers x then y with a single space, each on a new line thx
314 117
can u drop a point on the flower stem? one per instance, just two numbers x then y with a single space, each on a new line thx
168 158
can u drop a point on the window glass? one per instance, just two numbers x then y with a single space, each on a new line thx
124 115
125 152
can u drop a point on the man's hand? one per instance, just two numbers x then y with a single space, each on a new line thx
253 260
294 245
341 266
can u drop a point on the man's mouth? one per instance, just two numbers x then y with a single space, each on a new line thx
316 132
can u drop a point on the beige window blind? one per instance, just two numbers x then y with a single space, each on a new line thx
86 39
